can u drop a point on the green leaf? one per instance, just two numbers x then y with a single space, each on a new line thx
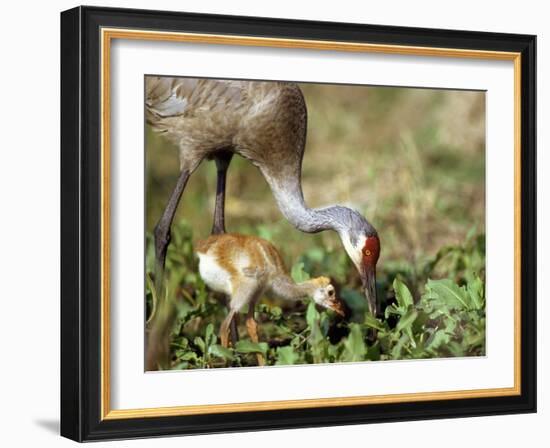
298 273
407 319
475 289
316 340
181 366
265 232
373 352
373 322
392 309
402 294
354 347
448 293
209 334
180 343
334 352
398 348
409 333
324 324
312 316
276 311
221 352
437 339
199 342
286 356
251 347
316 254
189 356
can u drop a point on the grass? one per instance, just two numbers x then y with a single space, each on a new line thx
425 315
411 160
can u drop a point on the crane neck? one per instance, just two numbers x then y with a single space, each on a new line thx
290 200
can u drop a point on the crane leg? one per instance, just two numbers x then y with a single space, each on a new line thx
222 159
158 338
162 230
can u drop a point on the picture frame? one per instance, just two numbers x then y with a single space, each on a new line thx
87 34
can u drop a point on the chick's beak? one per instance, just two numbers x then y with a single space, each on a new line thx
368 278
337 306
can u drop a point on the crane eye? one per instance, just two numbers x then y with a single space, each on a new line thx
371 249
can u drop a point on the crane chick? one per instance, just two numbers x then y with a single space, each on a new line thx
247 267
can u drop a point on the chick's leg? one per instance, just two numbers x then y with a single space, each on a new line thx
224 328
245 290
252 328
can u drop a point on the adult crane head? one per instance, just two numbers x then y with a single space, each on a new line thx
358 236
362 244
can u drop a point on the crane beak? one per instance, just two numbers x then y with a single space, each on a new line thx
368 278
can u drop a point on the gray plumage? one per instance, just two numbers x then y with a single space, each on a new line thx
265 122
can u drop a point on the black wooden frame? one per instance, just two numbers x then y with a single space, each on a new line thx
80 223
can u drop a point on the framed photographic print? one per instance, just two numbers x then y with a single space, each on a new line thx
274 224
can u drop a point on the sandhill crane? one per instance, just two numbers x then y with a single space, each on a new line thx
247 267
264 122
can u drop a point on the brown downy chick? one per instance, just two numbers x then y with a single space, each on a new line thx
247 267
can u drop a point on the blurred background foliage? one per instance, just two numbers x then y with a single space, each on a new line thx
412 161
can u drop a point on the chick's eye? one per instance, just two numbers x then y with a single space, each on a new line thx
331 292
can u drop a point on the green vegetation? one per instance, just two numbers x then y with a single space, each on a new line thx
442 318
413 162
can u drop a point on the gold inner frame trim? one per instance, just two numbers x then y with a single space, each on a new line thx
107 35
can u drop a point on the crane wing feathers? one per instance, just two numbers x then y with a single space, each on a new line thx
170 97
171 106
263 121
